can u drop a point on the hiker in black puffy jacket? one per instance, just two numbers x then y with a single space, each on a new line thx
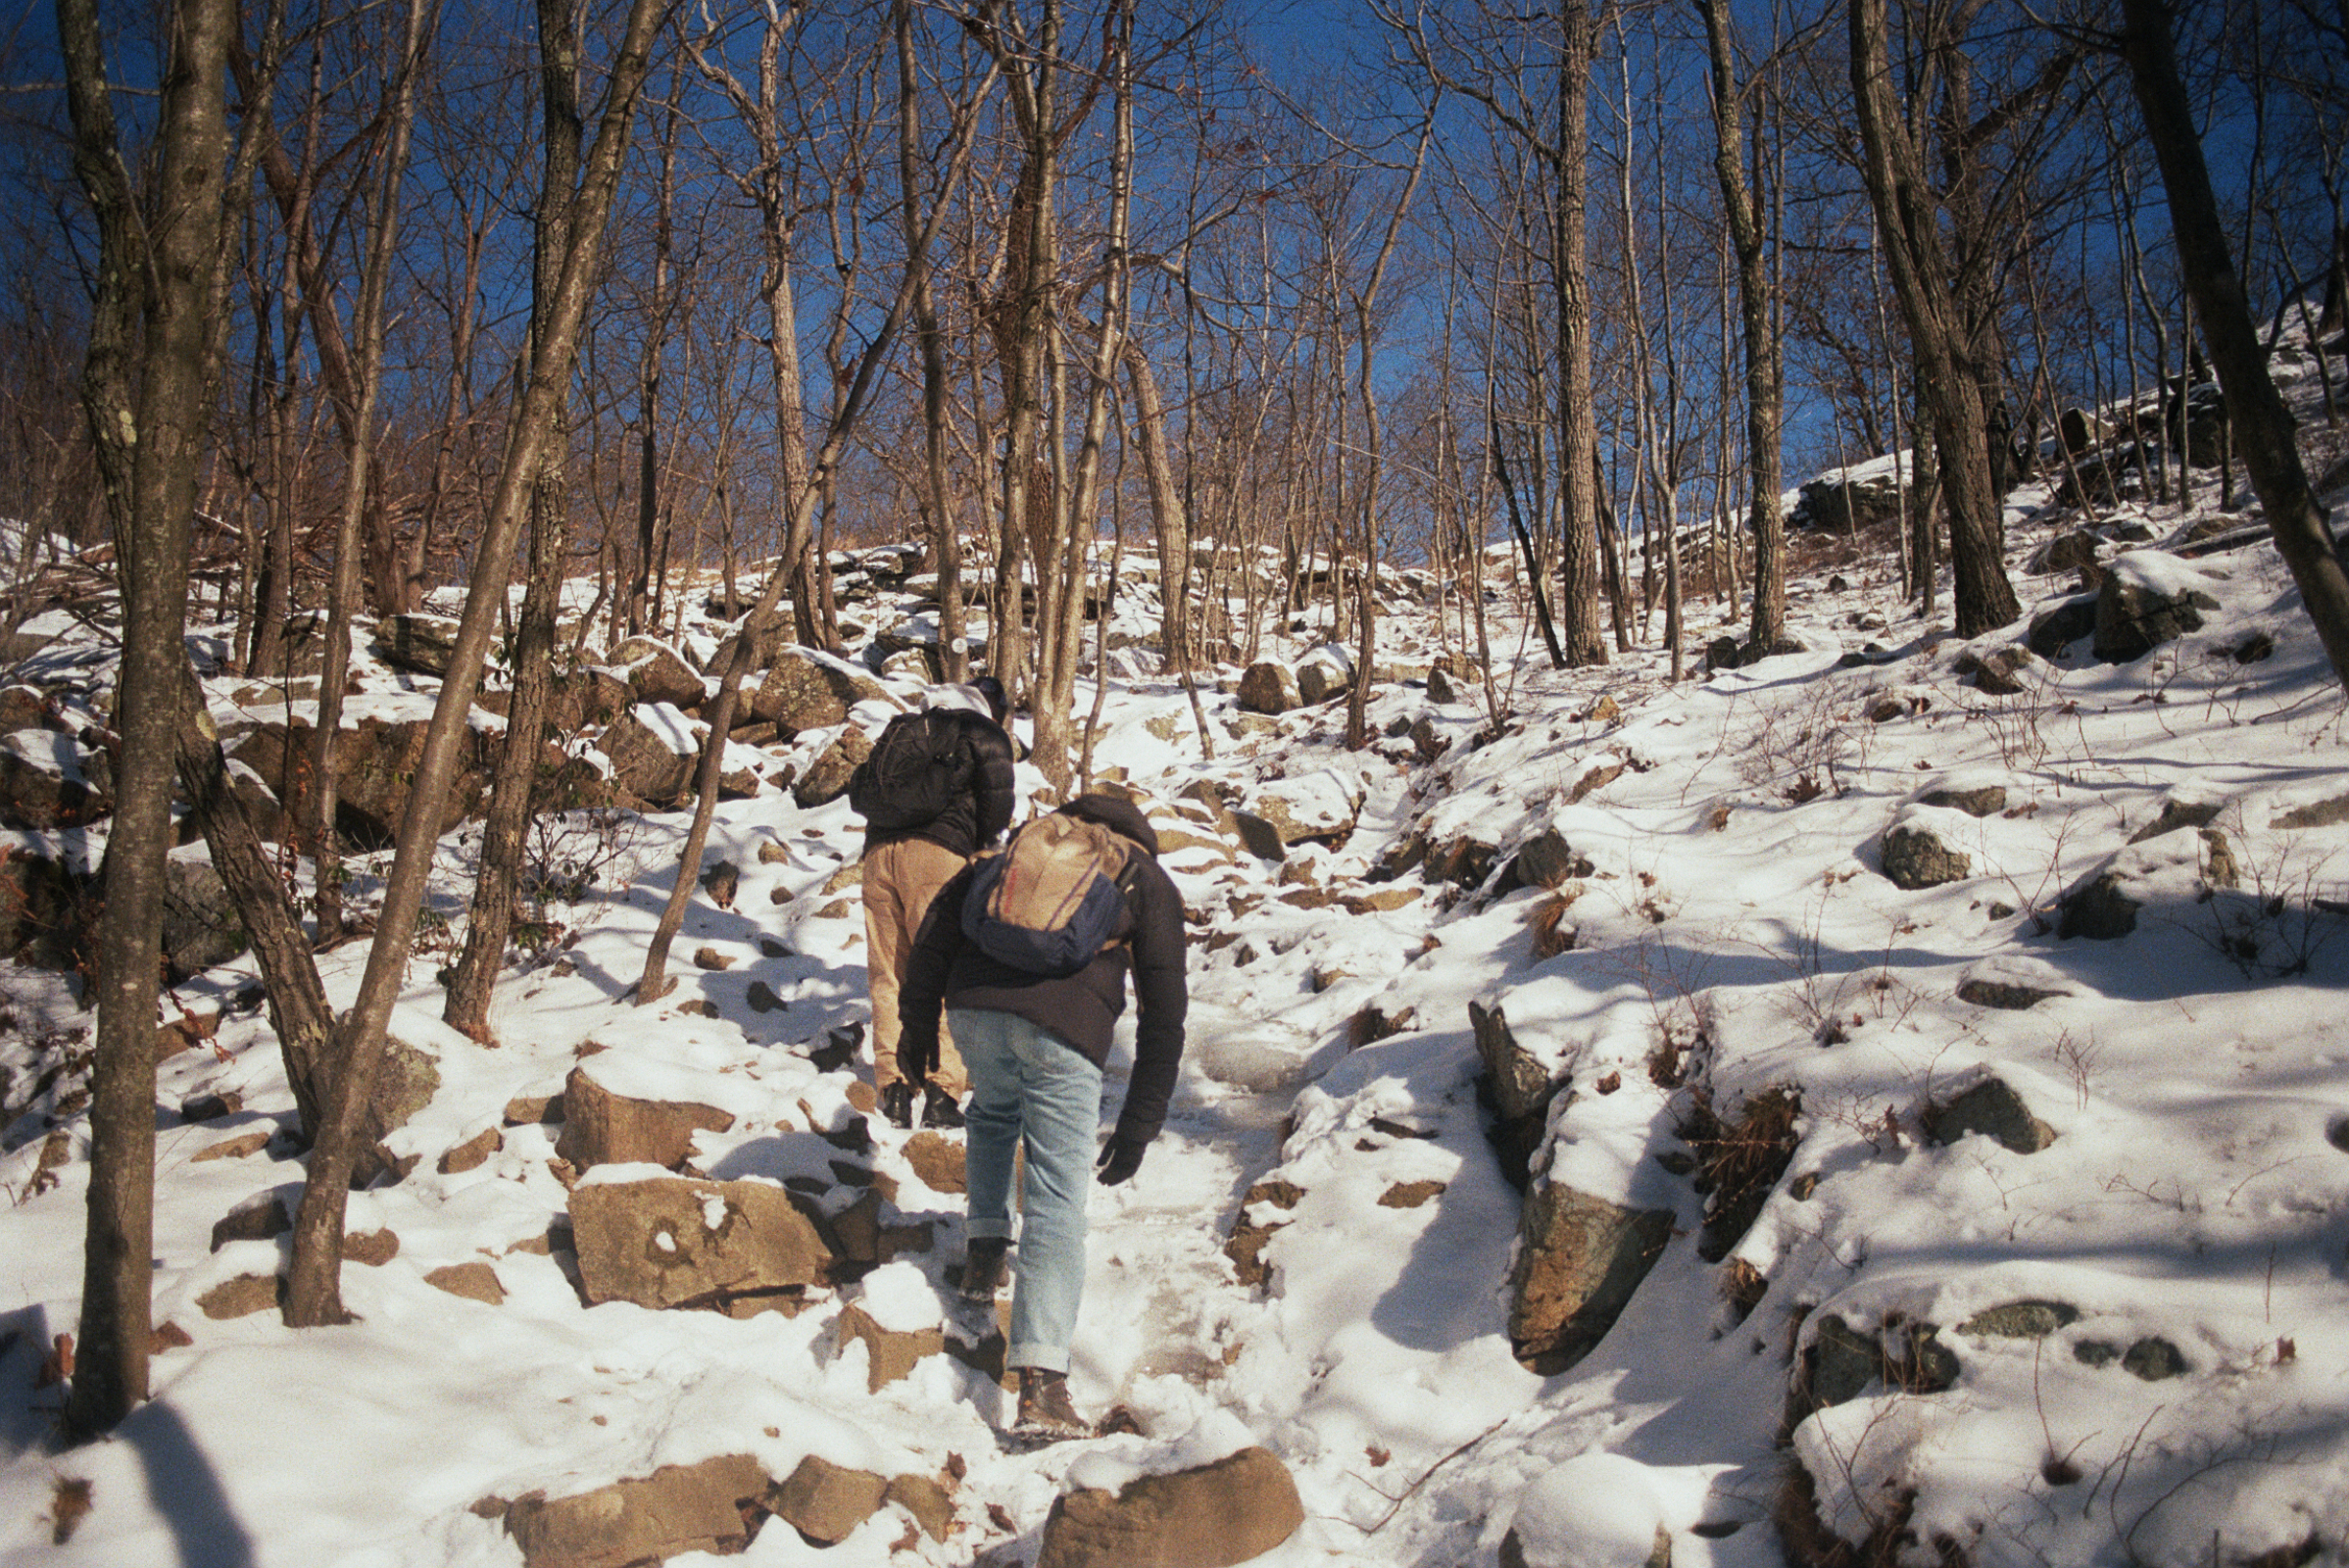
903 869
1034 1045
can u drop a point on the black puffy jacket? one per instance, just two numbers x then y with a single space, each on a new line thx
947 970
982 808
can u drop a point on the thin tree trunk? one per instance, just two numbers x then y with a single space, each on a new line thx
1762 374
148 397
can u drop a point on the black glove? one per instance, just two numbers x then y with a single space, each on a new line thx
1121 1157
913 1063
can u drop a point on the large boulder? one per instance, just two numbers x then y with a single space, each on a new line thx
200 925
646 761
1269 688
676 1509
1579 1259
1848 498
375 762
656 672
828 775
422 645
47 782
2147 599
680 1242
42 907
1327 671
603 1128
1596 1510
1213 1516
808 690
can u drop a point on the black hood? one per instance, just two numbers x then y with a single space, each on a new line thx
1119 816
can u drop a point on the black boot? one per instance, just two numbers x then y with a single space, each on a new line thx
896 1104
939 1109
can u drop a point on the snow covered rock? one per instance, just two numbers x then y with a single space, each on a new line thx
2175 868
1596 1510
647 761
2147 599
200 925
1545 861
1915 857
39 900
1579 1259
827 777
1269 688
808 690
1327 671
897 1320
1320 804
604 1128
1994 1108
1211 1516
658 673
825 1501
675 1511
2055 629
664 1241
422 645
48 782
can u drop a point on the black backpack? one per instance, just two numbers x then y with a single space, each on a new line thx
918 770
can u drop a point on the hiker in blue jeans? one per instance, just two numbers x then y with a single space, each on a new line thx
1034 1044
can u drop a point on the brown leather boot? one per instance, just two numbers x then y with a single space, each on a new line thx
1044 1411
983 1267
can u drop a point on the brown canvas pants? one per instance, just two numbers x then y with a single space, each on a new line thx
900 881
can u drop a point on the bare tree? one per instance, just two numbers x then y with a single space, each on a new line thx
313 1289
1949 383
147 389
2303 535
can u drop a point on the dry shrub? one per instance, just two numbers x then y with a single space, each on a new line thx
1552 933
1811 1545
1742 1287
1740 1163
68 1502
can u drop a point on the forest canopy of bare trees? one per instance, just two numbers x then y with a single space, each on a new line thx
1202 237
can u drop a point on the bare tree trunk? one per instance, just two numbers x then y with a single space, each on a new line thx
1577 438
1762 374
954 643
2302 533
148 397
506 823
343 589
1908 224
314 1292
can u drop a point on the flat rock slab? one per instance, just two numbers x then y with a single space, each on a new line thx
1216 1515
675 1511
603 1128
682 1242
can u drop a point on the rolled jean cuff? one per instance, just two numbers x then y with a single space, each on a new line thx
988 1229
1042 1358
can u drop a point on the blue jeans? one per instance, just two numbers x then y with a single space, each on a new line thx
1029 1085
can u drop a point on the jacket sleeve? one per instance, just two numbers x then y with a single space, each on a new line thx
921 995
992 783
1162 998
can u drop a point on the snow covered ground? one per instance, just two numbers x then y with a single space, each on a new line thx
2121 1348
